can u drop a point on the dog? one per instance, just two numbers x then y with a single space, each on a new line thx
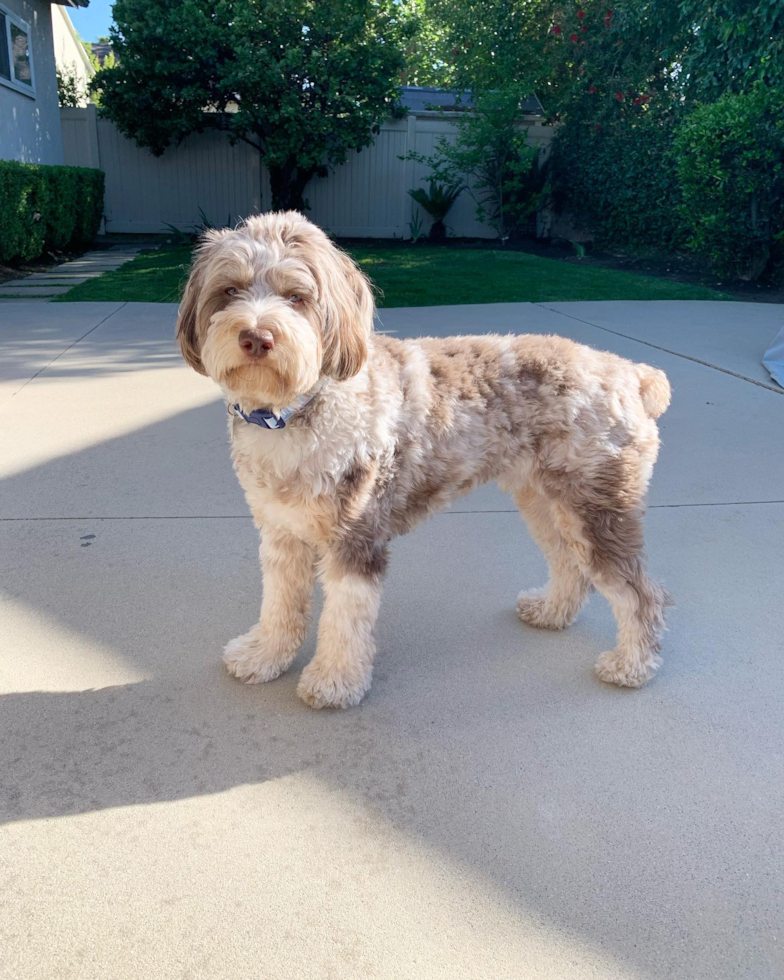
343 438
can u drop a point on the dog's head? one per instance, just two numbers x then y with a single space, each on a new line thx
271 306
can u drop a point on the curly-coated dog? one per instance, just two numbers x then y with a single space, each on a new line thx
343 438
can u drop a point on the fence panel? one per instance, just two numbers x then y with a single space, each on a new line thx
364 198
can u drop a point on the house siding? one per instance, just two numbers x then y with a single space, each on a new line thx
30 129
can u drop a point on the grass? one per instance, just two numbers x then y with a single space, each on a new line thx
427 275
152 277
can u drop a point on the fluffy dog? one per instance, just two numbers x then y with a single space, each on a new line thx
343 439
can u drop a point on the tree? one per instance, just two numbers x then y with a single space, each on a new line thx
303 81
491 158
71 91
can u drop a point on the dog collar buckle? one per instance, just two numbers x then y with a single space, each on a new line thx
269 420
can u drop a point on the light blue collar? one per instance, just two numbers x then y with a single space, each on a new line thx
267 419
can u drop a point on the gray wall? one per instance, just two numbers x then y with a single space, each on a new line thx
30 126
366 197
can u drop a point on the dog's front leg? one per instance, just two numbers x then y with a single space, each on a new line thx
339 675
288 571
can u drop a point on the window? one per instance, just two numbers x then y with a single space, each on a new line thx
16 59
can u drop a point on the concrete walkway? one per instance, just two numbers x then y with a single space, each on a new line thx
491 812
43 286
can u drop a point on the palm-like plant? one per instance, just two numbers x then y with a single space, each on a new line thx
437 202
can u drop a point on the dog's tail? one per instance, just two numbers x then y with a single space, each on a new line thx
655 390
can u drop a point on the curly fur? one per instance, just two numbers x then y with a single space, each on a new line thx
396 431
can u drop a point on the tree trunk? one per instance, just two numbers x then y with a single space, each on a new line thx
438 231
287 184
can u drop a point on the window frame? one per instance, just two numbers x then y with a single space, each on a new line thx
13 83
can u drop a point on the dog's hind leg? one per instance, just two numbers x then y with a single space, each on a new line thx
617 569
288 571
557 604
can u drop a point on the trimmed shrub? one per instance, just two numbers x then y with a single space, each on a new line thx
619 179
43 208
731 169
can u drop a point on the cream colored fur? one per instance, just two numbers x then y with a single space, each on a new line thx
398 430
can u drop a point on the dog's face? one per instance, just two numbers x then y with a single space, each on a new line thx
272 306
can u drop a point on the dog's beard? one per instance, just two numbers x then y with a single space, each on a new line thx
292 368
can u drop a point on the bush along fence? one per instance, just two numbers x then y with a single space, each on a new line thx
709 179
47 208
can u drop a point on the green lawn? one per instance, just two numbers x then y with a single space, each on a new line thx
417 276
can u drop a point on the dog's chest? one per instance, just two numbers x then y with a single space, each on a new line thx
288 479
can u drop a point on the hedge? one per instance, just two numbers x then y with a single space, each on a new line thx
620 180
731 170
44 208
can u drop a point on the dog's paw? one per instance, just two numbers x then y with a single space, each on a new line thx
253 659
617 668
534 609
321 687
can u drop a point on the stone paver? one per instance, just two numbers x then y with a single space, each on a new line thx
20 292
491 812
88 265
42 281
68 281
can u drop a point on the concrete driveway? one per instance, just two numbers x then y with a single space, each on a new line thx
491 811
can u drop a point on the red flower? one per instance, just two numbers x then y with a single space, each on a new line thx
572 38
636 101
582 71
556 29
619 96
592 90
456 51
597 126
643 98
608 18
583 28
581 14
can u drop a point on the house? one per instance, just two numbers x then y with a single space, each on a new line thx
69 53
101 49
29 109
422 99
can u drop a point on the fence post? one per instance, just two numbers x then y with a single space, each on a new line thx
91 136
408 170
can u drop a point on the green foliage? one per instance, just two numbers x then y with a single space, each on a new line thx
47 208
437 201
491 157
487 45
415 227
732 45
621 79
619 179
731 169
71 91
180 237
303 81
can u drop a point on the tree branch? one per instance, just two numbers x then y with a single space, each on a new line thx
256 146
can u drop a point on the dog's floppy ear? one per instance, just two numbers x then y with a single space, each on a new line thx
187 325
348 308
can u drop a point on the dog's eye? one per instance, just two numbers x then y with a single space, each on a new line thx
232 291
295 299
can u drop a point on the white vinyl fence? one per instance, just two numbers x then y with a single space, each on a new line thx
365 198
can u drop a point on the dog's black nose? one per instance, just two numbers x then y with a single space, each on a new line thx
256 343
